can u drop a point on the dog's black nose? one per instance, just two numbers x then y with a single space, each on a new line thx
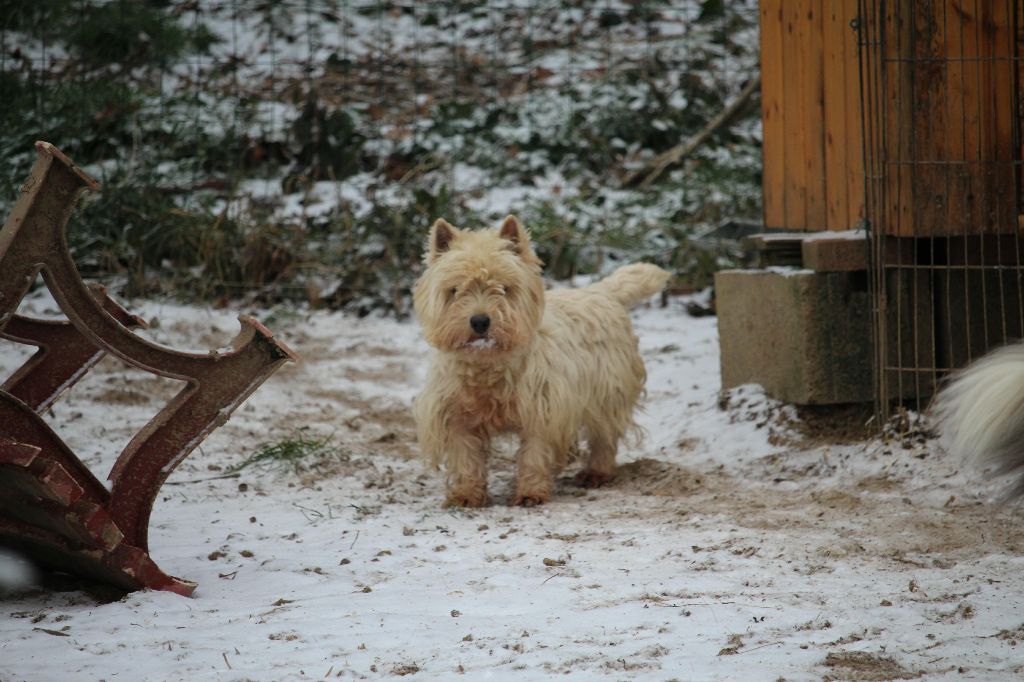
480 323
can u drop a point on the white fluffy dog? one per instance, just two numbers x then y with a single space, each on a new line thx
510 357
981 412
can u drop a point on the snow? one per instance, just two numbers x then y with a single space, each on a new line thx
837 235
732 545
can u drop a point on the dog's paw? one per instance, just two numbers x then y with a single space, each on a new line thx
530 499
463 499
588 478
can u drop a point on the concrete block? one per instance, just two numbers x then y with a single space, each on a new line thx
836 251
804 336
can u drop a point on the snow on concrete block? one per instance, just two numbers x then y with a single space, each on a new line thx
804 336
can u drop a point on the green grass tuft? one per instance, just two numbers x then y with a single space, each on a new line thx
298 452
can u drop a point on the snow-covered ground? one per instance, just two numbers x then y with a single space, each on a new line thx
731 546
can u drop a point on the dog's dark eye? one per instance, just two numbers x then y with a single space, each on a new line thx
452 292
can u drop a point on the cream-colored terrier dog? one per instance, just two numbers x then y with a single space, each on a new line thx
510 358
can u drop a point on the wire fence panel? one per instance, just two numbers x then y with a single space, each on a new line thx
941 92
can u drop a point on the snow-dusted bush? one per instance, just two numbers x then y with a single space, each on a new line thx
302 149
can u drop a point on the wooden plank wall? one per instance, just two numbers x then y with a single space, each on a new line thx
810 98
946 77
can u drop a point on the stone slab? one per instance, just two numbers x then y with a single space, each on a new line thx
835 251
804 336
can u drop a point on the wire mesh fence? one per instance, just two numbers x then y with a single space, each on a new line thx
942 96
301 148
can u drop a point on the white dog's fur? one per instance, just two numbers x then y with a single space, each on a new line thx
552 366
981 412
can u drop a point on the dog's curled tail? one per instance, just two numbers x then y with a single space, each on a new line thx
980 413
631 284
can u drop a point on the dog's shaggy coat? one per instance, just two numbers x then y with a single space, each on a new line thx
981 413
510 357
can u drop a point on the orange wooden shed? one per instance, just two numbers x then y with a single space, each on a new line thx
940 83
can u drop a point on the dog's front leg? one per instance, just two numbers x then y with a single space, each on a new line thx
465 464
534 478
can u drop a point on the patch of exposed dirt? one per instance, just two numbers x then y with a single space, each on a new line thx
804 426
884 518
962 612
364 348
809 426
1012 636
391 372
385 427
122 395
863 665
125 385
648 476
779 419
835 424
378 425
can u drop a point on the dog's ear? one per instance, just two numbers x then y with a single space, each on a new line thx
513 231
442 234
